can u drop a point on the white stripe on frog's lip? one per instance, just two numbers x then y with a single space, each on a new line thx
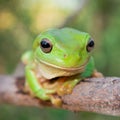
82 67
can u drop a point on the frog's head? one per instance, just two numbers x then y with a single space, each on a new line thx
63 49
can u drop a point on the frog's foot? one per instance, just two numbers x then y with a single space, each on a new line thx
43 94
56 101
46 94
97 74
67 87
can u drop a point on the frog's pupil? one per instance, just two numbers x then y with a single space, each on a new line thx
45 44
91 44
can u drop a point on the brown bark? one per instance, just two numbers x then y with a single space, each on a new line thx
101 95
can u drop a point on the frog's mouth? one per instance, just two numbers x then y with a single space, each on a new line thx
65 68
50 71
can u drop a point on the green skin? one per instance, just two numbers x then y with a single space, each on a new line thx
68 54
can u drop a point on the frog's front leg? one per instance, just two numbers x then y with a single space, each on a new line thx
68 85
35 86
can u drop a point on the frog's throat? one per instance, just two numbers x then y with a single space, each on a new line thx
82 67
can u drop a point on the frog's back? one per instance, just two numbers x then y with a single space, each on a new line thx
67 31
70 31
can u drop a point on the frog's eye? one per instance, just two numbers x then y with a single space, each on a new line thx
90 45
45 45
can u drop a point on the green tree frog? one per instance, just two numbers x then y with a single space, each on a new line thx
60 58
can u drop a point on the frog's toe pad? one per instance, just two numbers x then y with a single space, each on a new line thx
97 74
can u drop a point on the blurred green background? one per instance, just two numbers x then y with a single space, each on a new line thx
22 20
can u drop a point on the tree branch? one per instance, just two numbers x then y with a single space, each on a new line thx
101 95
